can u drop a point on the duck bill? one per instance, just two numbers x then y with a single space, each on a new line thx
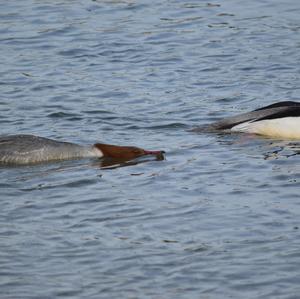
158 154
153 152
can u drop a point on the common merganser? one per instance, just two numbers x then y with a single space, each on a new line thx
279 120
28 149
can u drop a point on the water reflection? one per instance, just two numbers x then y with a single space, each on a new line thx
108 163
282 149
269 148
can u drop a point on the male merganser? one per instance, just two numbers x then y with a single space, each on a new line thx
28 149
279 120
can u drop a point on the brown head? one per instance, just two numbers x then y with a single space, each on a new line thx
124 152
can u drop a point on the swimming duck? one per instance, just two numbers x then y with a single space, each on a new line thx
28 149
279 120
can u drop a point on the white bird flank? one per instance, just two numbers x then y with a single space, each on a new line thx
286 127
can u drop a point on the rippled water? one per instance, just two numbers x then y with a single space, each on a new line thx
219 218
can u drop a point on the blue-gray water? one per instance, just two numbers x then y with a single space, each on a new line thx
219 218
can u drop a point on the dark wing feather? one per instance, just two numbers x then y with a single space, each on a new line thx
280 104
291 111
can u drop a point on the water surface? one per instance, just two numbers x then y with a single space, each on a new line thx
219 218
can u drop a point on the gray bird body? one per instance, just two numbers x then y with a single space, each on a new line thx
27 149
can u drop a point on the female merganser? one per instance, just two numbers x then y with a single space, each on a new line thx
279 120
28 149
